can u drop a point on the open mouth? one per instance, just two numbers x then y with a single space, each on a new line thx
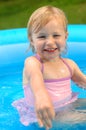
50 49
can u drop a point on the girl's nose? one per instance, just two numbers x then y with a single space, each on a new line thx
50 40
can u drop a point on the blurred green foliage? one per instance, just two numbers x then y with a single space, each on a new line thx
15 14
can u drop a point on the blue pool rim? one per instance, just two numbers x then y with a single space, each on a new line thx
77 33
14 44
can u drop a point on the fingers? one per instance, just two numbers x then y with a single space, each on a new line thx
51 114
40 123
45 118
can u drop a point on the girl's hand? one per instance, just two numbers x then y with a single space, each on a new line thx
43 104
44 110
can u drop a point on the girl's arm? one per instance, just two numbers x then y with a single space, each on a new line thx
77 76
43 105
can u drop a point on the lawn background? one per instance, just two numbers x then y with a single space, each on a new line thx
15 13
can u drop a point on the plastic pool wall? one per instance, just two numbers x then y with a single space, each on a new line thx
14 44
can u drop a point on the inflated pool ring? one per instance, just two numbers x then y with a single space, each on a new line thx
14 43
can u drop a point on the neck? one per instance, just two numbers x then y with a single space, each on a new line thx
48 60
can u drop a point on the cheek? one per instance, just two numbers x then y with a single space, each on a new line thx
63 41
37 47
62 44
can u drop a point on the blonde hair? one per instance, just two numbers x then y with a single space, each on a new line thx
41 17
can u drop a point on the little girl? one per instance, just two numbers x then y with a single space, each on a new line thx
46 75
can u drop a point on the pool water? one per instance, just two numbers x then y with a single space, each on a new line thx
11 89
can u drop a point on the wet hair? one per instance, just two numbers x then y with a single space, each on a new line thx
41 17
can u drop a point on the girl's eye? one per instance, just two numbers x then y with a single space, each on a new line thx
56 35
42 37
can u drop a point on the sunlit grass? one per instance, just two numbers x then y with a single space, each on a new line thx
15 14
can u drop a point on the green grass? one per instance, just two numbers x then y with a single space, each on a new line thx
15 14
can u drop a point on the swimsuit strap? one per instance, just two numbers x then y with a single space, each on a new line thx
69 68
38 57
42 68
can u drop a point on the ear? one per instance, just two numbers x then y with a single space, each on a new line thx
66 35
30 39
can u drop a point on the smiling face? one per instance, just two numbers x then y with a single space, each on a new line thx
50 41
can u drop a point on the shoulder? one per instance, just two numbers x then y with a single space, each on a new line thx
31 62
72 64
69 61
31 65
31 68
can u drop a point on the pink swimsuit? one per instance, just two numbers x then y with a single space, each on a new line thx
59 91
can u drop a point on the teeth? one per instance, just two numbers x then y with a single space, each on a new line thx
51 49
